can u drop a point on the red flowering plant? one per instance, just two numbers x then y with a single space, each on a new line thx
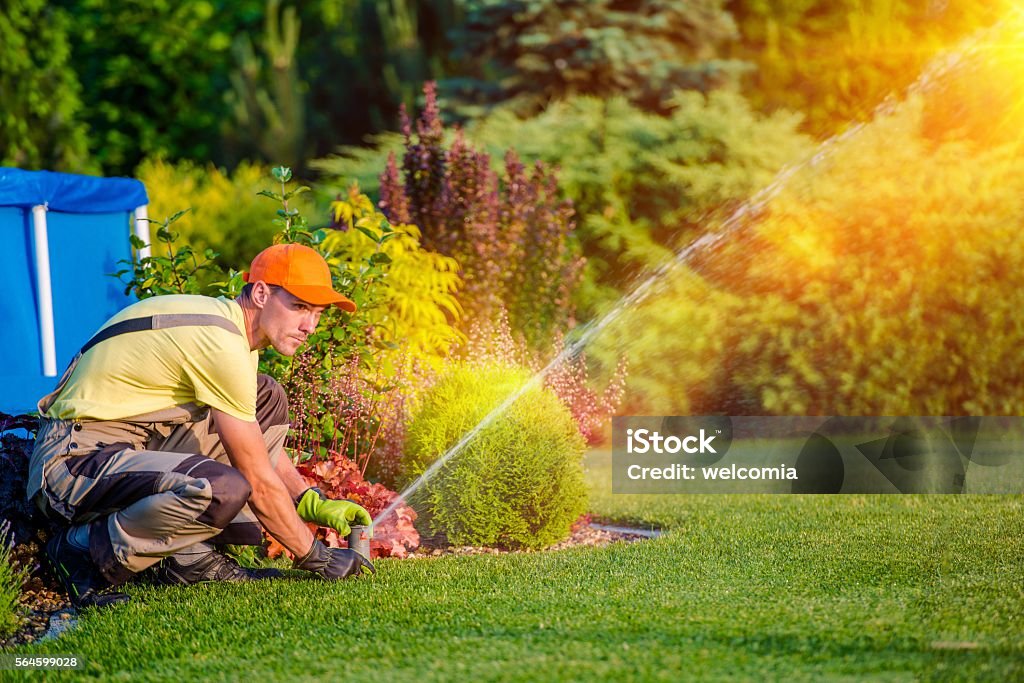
340 477
338 426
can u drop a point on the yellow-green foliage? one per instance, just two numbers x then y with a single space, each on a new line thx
835 60
417 298
519 482
885 279
226 214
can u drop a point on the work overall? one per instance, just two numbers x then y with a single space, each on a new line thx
149 485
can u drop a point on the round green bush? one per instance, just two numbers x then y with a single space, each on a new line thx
518 483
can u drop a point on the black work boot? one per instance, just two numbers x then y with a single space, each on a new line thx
212 566
80 575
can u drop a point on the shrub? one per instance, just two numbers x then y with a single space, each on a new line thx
418 295
836 60
267 95
641 184
643 49
519 482
153 75
904 300
12 577
41 124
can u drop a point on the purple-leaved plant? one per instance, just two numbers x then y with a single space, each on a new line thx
511 234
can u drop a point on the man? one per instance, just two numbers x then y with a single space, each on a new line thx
161 439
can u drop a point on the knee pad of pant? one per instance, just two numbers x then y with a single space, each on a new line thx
230 492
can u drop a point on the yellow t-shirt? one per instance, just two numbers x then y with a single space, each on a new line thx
142 372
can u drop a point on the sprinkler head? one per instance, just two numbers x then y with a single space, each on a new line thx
359 539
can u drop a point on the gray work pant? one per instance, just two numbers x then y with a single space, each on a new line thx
154 485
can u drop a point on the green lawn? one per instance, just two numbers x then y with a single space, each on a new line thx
741 587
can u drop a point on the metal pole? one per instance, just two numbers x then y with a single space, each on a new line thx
142 228
47 337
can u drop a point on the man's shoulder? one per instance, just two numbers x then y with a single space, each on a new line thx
180 304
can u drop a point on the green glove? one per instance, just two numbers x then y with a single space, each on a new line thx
315 507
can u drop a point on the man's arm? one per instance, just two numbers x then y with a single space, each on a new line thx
271 498
290 477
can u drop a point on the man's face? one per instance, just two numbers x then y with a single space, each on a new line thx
286 320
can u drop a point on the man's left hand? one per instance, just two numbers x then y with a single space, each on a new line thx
338 514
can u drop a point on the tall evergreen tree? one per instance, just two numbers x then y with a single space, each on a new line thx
526 53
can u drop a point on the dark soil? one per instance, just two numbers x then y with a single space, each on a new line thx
15 449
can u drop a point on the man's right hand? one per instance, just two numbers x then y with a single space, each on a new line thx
333 563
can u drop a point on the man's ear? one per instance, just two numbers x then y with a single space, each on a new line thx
261 292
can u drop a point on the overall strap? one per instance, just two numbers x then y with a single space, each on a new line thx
160 322
154 322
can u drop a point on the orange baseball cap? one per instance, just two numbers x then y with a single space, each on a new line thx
301 271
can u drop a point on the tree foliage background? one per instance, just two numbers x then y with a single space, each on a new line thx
857 288
115 82
206 80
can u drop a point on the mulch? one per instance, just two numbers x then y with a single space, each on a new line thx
41 597
584 533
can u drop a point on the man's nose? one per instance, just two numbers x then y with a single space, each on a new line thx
309 322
